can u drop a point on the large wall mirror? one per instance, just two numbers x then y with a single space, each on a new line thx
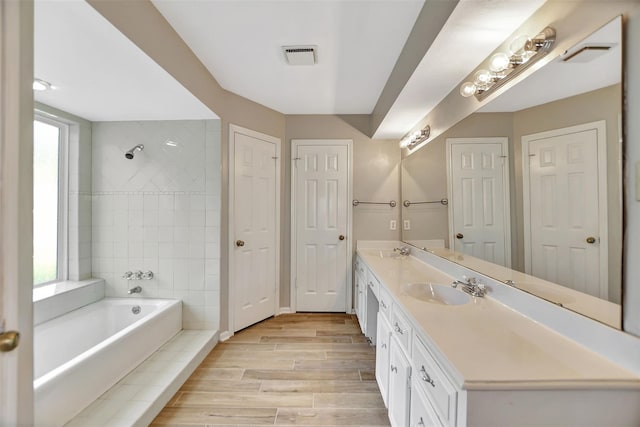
532 183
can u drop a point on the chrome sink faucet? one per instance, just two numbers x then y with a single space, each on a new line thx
404 250
471 286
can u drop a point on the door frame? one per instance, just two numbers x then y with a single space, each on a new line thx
295 143
504 142
233 129
16 204
601 129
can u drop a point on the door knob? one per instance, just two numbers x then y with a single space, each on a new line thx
9 340
341 237
459 236
239 243
591 240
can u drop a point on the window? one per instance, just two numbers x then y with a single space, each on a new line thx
50 142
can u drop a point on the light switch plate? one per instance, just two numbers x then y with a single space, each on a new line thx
406 224
393 225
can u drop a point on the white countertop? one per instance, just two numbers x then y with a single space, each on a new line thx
491 346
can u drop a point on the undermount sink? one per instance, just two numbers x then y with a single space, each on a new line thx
437 294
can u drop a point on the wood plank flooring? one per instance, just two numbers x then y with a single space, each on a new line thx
303 369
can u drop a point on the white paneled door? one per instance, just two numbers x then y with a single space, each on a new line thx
255 219
565 180
16 219
479 222
322 245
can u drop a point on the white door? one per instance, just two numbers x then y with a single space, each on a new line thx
255 218
16 165
321 211
478 181
565 181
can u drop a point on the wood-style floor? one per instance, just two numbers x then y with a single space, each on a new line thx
295 369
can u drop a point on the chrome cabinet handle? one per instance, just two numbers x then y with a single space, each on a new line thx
426 377
383 345
421 422
398 329
394 368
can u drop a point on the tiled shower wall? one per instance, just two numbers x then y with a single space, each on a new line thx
160 212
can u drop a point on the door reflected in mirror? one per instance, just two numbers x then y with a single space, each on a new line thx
545 211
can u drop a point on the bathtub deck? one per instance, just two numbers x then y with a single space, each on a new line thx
137 398
296 369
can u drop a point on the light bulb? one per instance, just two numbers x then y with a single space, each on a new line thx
467 89
482 78
517 47
404 142
499 62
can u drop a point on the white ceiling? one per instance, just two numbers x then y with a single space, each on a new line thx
240 44
98 73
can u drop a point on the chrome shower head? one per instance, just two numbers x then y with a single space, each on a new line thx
131 153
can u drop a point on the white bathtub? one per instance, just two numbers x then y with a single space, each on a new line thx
80 355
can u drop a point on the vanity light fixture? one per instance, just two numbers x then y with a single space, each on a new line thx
41 85
412 139
523 53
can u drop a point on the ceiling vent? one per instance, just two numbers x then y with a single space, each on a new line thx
301 55
588 53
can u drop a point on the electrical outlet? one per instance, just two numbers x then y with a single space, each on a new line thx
406 224
393 225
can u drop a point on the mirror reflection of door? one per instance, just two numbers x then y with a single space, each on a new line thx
478 181
565 215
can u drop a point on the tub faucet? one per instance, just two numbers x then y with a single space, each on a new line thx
135 290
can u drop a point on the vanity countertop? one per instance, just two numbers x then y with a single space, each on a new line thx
491 346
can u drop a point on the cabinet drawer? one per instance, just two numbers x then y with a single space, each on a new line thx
401 328
385 301
442 394
422 413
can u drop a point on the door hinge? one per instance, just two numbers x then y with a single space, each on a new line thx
275 157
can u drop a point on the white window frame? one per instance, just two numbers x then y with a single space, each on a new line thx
63 195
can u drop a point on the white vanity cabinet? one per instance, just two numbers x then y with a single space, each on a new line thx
430 378
399 384
382 356
360 293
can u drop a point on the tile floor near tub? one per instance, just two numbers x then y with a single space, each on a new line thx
294 369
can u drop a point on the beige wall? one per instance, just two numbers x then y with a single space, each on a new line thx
375 178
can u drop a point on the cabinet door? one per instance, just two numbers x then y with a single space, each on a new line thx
382 357
399 385
361 288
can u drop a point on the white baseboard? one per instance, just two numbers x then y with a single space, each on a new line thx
284 310
225 335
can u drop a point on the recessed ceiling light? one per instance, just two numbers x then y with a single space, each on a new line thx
41 85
